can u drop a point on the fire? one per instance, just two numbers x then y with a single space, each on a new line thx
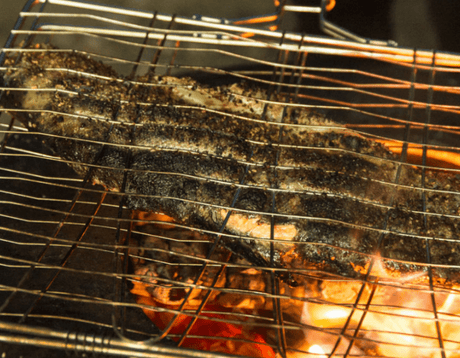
399 320
327 316
393 316
437 158
319 352
389 316
209 334
217 328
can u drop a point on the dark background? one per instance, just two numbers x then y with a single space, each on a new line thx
428 24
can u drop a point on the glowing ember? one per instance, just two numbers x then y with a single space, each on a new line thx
393 316
389 316
399 320
317 350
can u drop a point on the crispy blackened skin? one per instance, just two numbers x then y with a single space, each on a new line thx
187 148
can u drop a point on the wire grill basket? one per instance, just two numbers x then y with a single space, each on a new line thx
82 271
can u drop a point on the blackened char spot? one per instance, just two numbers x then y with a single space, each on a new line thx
252 199
335 245
330 160
335 181
343 209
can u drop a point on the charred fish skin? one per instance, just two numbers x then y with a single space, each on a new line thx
192 151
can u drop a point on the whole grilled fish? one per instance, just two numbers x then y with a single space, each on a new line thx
286 187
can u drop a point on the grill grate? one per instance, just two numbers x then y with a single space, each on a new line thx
76 261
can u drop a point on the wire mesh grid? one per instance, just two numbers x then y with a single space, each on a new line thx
87 268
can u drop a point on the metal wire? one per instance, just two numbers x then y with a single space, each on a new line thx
66 243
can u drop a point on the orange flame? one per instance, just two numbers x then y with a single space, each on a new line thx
397 319
435 157
251 344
